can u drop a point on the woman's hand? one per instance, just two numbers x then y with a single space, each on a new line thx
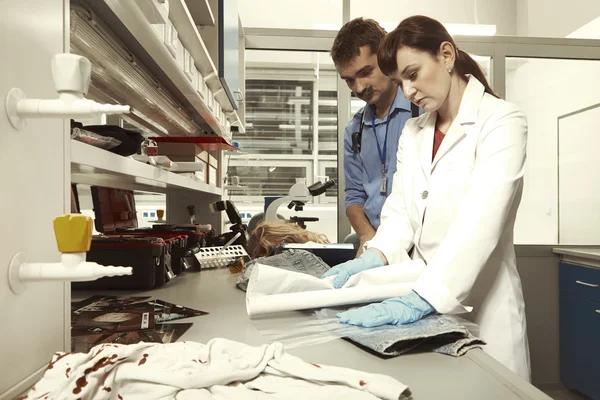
342 272
400 310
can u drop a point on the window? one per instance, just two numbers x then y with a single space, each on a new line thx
279 117
291 134
259 179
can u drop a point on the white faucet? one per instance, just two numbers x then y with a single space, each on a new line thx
71 74
73 235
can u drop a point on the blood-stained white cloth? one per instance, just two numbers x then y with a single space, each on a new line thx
220 369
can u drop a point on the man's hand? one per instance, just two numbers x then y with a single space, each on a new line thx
361 225
364 239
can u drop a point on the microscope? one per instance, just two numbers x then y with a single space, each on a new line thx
297 197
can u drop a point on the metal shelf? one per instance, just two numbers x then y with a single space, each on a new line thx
182 20
207 143
201 12
133 19
94 166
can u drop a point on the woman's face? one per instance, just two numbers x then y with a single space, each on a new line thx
424 79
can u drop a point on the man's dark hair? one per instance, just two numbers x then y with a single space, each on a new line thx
355 34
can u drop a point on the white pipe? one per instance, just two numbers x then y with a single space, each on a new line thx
89 271
71 75
80 108
72 259
72 267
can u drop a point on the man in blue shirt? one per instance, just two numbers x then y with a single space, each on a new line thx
371 137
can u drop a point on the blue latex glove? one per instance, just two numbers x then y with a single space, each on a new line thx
400 310
342 272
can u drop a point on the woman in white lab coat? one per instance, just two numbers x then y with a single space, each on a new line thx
455 196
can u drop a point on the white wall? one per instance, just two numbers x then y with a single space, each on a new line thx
321 14
295 58
290 14
555 18
501 13
35 323
546 18
522 20
579 186
546 89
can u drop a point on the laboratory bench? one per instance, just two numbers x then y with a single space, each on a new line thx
581 253
579 319
429 375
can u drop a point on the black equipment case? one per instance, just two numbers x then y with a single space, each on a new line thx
150 256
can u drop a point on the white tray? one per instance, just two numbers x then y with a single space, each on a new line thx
216 257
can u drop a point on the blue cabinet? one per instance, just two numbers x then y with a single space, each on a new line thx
580 328
580 281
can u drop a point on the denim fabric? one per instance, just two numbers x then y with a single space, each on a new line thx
295 260
437 333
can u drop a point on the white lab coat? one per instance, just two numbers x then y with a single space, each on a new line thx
457 214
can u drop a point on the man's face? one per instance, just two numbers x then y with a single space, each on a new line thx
364 78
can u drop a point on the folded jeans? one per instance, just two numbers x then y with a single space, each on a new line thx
443 334
295 260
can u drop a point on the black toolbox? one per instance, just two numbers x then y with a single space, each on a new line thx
146 256
150 256
115 214
183 241
175 249
182 254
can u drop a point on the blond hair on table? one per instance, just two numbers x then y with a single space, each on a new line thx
271 234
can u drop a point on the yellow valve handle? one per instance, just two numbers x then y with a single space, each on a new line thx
73 233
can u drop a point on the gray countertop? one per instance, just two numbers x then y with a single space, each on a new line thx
592 253
474 376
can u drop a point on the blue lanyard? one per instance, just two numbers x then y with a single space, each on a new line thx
383 153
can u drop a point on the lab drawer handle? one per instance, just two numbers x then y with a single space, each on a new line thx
586 284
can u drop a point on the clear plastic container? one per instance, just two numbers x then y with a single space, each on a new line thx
94 139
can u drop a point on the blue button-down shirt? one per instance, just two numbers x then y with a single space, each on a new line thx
363 171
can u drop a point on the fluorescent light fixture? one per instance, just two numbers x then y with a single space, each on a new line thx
298 100
322 128
453 29
328 103
293 127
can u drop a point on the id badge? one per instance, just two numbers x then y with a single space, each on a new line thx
383 188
